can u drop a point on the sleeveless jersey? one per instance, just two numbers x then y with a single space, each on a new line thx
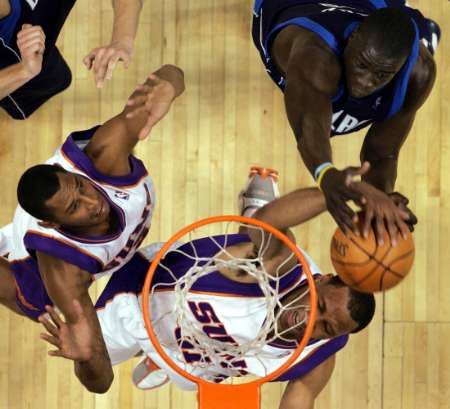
227 309
333 22
131 199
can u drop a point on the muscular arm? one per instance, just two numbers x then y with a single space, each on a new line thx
383 141
12 78
114 141
288 211
301 393
65 283
312 74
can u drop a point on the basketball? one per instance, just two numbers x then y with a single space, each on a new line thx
367 267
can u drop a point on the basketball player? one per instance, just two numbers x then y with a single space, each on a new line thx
344 65
83 215
232 303
32 70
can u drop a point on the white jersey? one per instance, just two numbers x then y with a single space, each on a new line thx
224 307
131 198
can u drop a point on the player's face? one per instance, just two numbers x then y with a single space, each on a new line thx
78 203
333 317
366 70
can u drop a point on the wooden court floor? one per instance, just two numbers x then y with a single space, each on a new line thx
230 117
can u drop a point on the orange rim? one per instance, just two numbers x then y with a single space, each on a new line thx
255 384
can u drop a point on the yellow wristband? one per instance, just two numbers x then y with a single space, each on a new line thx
322 173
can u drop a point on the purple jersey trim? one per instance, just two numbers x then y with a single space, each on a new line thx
127 279
318 356
80 160
31 295
56 248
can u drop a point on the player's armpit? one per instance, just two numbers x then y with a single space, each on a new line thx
301 393
65 283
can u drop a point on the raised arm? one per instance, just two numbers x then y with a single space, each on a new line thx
114 141
383 141
312 74
31 44
302 393
66 283
104 59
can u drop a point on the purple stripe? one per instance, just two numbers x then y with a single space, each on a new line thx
318 356
58 249
128 279
83 162
215 282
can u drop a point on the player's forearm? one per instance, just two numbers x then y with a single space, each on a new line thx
126 21
293 209
12 78
382 174
311 123
95 375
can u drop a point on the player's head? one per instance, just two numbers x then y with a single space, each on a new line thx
60 198
377 50
340 310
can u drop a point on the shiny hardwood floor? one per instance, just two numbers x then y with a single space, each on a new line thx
230 117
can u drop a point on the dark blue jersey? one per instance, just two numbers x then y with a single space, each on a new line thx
334 21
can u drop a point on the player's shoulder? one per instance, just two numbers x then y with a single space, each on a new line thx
310 57
421 80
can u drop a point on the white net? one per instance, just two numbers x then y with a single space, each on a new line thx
219 352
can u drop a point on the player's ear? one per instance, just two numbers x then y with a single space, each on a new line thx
49 225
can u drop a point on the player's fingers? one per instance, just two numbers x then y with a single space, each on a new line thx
145 131
50 339
111 65
25 31
402 227
392 230
30 36
54 316
344 217
352 171
35 44
51 328
368 216
379 229
56 353
99 66
138 100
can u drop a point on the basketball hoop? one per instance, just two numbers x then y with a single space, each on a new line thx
229 396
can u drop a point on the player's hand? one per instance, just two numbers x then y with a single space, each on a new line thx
103 60
73 341
153 98
383 212
337 189
402 203
31 44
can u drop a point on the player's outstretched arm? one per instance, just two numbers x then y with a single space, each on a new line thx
103 60
312 74
113 142
67 286
301 393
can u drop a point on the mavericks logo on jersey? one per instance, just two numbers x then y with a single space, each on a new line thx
344 123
